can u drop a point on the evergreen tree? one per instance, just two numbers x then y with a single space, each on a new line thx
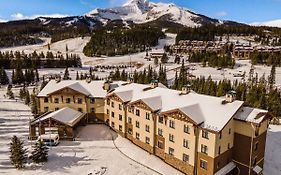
4 80
271 78
10 93
77 76
18 154
66 74
164 58
39 153
27 98
34 103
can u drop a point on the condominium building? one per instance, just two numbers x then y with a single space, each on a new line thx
196 134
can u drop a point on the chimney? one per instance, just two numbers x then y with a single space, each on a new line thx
154 84
186 89
230 96
58 79
106 85
88 79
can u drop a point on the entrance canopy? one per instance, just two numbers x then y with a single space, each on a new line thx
65 115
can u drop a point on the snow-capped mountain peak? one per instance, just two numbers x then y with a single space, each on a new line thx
143 11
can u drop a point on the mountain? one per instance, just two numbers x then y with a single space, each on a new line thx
143 11
274 23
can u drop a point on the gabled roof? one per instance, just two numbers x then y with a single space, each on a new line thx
92 89
207 110
252 115
194 111
65 115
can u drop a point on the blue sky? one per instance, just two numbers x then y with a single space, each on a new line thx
239 10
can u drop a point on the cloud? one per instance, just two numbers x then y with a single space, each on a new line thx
20 16
222 13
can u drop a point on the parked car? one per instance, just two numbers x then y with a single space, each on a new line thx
49 139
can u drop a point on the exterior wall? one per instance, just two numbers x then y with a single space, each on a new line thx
112 106
143 122
249 145
94 110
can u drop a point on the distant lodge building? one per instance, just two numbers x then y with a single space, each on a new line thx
196 134
241 51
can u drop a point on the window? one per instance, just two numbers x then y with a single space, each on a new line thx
130 131
46 109
205 134
185 157
137 136
161 119
108 102
171 151
185 143
130 109
228 146
120 117
92 101
107 111
80 100
219 152
112 114
137 124
160 132
160 144
204 149
112 124
218 165
57 109
120 127
256 146
137 112
120 107
56 100
172 124
147 128
171 138
80 109
112 104
203 164
130 120
46 99
93 110
147 140
220 135
68 100
186 129
147 116
229 131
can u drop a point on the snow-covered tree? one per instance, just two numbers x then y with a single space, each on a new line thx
18 154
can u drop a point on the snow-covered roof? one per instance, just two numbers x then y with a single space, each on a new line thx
208 111
226 169
65 115
92 89
252 115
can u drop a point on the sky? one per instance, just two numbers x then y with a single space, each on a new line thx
247 11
